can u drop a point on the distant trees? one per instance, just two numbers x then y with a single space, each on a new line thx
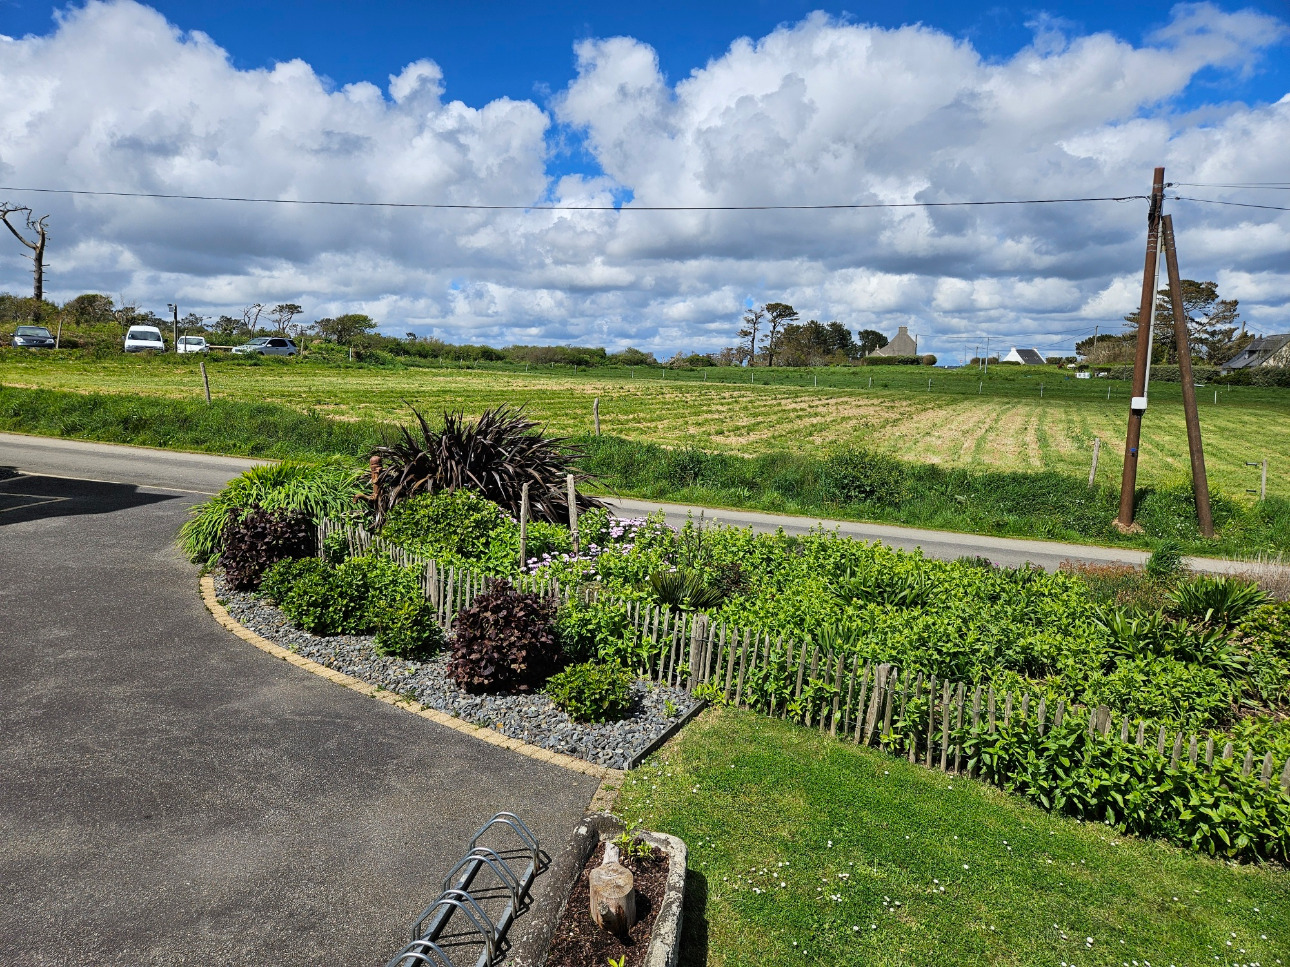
753 320
345 329
39 233
871 339
816 344
282 314
632 357
778 315
1212 324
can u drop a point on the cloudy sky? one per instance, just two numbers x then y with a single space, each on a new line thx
751 104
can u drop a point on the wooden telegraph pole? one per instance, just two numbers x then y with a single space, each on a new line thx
1146 314
1199 482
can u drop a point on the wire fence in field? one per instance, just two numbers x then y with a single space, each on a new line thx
919 716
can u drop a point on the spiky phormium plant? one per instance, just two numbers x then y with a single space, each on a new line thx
494 456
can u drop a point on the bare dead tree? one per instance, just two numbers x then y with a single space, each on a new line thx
40 230
251 317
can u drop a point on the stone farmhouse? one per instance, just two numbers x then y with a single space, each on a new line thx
1264 351
903 345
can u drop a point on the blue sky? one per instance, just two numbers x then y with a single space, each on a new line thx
405 101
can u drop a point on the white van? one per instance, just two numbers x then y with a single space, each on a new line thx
141 338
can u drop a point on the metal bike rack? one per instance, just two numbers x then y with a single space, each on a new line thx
454 898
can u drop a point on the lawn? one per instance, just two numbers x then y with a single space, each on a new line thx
805 850
1000 422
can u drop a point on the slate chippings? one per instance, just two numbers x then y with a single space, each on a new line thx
529 718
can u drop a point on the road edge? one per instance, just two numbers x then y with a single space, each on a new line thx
610 778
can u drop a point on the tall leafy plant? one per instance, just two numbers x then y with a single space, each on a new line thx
493 456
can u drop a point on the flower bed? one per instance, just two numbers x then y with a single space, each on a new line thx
656 709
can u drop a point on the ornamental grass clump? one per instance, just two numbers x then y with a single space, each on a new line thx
592 692
494 456
316 490
261 539
505 641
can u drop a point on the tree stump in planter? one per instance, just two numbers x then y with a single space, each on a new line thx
613 898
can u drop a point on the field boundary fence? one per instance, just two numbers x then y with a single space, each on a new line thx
918 716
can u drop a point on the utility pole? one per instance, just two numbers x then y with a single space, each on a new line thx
174 308
1146 313
1199 482
986 369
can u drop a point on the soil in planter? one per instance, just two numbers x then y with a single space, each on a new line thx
579 942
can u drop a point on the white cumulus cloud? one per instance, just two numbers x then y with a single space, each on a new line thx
819 112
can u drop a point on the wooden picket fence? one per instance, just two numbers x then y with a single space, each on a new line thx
876 704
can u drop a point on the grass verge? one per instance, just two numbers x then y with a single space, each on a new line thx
885 863
1045 504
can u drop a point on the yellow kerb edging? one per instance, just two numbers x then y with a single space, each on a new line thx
610 778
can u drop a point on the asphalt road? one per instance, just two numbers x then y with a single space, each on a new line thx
203 474
171 795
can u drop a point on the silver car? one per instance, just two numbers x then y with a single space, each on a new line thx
268 346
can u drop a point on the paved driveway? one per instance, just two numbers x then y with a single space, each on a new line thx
171 795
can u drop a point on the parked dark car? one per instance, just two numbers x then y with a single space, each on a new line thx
268 346
32 337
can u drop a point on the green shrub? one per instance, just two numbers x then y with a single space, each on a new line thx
600 630
316 490
1222 601
407 628
1134 788
892 361
313 595
859 476
461 528
505 641
592 692
261 539
369 595
459 523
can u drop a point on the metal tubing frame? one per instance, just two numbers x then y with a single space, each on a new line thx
420 956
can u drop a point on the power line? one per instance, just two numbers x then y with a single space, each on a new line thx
1268 185
1234 204
569 208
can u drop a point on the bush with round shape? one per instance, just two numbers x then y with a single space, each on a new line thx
592 692
363 596
601 630
505 641
261 539
858 476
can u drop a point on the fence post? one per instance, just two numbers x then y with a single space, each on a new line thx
595 414
524 526
1097 447
374 468
573 513
206 380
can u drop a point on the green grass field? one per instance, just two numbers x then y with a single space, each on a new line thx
805 850
962 421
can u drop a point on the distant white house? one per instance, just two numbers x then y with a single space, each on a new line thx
1027 357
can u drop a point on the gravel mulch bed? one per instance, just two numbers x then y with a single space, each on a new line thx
529 718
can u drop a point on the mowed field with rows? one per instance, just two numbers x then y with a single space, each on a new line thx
999 422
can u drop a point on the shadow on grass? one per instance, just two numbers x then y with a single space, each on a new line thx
694 921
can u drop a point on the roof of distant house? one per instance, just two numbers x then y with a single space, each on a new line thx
1258 351
1029 357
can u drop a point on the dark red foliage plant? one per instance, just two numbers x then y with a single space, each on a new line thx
505 641
261 539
